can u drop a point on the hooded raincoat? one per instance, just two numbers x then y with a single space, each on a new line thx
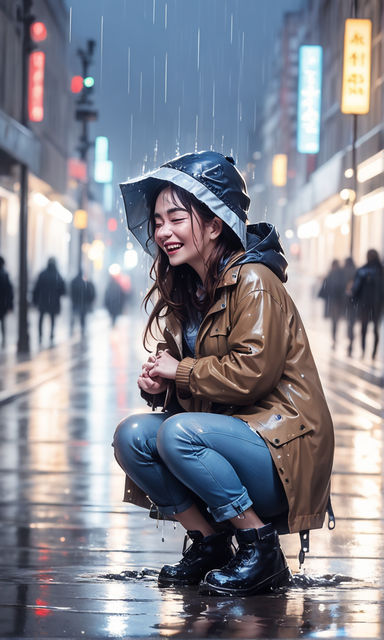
253 361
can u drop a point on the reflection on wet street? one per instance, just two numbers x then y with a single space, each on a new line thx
77 562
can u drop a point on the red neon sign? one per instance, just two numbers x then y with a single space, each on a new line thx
38 31
36 86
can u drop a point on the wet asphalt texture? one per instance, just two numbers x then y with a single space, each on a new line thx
76 562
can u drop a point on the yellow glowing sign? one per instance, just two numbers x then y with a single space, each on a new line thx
80 219
279 170
357 66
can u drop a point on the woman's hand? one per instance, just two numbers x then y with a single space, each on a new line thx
163 366
154 384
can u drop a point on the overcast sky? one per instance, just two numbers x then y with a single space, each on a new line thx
173 76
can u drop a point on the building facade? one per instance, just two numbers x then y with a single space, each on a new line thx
314 219
41 146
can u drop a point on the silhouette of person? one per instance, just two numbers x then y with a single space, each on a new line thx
46 295
82 293
6 298
114 299
333 293
367 295
349 272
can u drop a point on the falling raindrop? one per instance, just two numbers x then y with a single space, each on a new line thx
242 49
70 24
179 123
165 78
129 70
222 144
166 16
155 150
153 11
231 36
198 49
154 91
101 49
213 99
196 131
141 91
131 140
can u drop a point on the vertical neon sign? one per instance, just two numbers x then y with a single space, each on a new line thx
309 99
36 86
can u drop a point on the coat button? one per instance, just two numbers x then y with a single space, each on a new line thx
223 305
286 480
302 427
278 417
281 470
276 440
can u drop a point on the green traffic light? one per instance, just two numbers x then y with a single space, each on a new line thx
89 82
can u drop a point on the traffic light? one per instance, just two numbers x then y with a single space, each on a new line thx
89 82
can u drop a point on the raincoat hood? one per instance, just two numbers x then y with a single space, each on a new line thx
211 177
263 246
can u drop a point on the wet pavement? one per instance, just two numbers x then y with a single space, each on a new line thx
77 562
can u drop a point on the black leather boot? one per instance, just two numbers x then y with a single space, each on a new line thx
204 554
258 566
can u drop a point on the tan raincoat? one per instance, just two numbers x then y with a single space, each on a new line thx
253 361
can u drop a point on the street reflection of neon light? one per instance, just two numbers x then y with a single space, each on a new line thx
309 99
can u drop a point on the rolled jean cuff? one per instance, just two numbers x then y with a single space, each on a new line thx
231 509
175 508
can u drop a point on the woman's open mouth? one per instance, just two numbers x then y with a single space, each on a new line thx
172 248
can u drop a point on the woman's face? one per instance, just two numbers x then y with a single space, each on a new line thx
184 238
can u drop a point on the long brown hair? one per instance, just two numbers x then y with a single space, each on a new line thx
175 288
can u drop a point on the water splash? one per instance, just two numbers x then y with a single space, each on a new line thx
141 574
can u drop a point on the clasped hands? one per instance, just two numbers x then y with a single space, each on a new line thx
157 371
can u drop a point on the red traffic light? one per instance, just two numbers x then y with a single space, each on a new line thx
38 31
77 84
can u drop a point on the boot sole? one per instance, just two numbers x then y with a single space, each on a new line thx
281 579
169 582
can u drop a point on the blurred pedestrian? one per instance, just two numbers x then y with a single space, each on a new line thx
114 299
82 293
46 296
349 272
332 291
6 298
244 444
367 295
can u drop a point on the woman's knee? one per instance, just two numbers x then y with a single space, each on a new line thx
175 432
124 434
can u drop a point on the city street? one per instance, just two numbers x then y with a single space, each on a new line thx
77 562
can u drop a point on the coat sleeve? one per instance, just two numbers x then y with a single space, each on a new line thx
258 343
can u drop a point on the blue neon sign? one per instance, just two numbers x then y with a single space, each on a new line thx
309 99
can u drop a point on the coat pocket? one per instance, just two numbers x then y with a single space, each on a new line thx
278 435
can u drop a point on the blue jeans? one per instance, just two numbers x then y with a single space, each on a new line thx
216 457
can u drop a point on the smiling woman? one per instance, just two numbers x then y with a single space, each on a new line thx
244 443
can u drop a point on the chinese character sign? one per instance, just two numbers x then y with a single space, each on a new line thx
357 66
309 99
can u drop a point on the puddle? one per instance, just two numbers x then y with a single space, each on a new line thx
299 580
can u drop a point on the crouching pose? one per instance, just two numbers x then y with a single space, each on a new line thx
244 444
